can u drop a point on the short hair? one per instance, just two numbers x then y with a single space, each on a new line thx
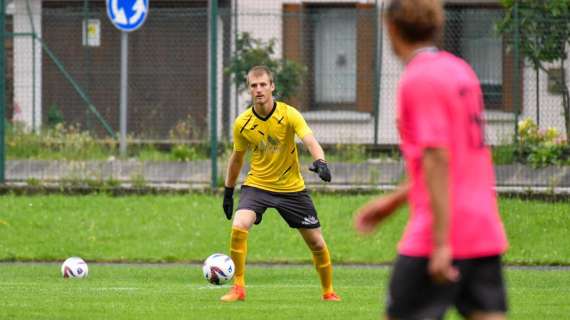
258 71
417 20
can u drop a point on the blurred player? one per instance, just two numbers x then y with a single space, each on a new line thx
450 253
268 128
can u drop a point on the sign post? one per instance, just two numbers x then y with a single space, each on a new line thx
127 16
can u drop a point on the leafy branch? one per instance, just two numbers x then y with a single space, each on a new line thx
251 52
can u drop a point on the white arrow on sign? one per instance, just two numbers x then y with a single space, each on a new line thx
139 9
120 16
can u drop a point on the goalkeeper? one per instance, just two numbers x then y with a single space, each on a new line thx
268 129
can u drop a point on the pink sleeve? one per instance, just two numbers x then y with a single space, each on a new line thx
426 111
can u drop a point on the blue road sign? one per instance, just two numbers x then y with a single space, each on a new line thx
127 15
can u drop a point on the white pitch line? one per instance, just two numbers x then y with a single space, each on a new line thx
35 285
277 285
113 289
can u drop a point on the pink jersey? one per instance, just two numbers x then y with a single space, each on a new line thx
441 105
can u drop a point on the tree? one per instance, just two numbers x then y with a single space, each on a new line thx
544 30
251 52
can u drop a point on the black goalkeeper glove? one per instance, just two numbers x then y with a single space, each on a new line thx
228 202
320 167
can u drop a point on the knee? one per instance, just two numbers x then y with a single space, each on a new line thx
317 244
241 225
244 219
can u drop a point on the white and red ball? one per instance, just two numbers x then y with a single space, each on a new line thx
218 269
74 267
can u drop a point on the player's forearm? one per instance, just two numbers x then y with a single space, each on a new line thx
234 168
436 168
317 152
314 147
394 200
380 208
400 195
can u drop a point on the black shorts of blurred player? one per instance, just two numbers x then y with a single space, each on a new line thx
414 295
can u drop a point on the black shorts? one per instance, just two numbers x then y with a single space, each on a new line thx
413 295
296 208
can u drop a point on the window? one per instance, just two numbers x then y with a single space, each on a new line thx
334 58
470 34
337 43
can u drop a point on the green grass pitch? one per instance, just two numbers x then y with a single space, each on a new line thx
191 227
185 229
178 291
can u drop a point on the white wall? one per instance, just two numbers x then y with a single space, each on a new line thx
391 69
551 112
27 67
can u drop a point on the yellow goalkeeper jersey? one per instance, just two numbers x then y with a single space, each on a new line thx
274 162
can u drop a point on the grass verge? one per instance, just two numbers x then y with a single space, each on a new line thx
157 228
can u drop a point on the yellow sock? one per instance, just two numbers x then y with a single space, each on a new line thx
322 261
238 252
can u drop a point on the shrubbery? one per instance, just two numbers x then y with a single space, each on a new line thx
252 52
540 148
69 142
535 147
59 142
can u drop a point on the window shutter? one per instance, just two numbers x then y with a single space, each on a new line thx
509 93
366 53
293 41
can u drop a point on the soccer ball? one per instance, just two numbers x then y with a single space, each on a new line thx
74 267
218 269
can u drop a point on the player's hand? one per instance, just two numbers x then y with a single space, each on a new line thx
371 214
365 222
320 167
228 202
440 267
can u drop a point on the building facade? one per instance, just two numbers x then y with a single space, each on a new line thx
347 93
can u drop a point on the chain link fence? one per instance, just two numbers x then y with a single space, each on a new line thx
333 61
334 54
167 62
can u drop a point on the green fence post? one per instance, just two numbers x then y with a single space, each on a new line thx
2 92
213 74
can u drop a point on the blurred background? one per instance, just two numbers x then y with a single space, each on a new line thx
332 61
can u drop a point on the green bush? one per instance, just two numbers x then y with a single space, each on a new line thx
183 153
252 52
149 152
504 154
54 116
68 142
350 152
59 142
541 148
22 143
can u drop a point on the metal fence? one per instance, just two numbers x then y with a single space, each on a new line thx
333 62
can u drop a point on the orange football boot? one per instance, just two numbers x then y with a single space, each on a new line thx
331 296
236 293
